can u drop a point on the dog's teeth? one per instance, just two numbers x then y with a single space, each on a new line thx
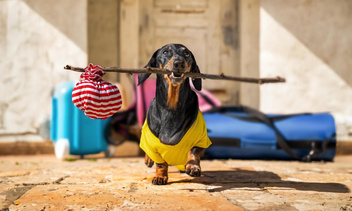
172 74
182 75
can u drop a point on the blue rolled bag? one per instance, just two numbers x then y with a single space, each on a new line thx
242 132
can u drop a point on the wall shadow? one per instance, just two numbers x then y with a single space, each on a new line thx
323 26
66 16
239 178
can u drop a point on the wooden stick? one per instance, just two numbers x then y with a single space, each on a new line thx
188 74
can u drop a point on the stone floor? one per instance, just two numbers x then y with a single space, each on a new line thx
45 183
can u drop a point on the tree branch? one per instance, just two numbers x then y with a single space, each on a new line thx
188 74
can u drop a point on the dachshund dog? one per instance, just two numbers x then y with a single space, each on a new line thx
174 133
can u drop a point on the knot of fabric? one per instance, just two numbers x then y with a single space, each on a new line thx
93 72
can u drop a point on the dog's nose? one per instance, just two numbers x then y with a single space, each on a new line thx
179 64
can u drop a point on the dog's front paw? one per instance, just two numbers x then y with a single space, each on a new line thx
159 180
193 170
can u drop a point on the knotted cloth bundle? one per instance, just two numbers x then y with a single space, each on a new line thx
98 99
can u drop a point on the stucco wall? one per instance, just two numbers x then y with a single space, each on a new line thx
309 42
37 39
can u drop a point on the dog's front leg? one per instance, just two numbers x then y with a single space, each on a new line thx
193 163
148 162
161 176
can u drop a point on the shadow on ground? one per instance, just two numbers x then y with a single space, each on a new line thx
239 178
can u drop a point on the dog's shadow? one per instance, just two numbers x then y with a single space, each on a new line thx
238 178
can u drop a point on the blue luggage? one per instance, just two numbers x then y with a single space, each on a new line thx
242 132
71 130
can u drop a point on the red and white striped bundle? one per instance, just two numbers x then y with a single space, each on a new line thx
98 99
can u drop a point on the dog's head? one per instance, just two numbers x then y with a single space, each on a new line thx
177 59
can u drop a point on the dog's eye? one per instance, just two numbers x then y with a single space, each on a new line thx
166 53
186 53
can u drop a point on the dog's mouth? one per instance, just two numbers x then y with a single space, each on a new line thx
177 78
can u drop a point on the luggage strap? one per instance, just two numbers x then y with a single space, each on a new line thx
258 116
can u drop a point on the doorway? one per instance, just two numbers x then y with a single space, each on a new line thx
209 28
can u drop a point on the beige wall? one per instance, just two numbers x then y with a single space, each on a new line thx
103 34
249 35
37 39
310 44
307 41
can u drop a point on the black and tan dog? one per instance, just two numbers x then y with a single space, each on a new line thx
174 132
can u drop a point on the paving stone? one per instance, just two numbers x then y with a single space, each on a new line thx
37 179
10 194
110 197
125 184
13 173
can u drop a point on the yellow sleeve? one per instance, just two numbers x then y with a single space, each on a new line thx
204 141
146 147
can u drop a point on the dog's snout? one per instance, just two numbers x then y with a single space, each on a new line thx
179 64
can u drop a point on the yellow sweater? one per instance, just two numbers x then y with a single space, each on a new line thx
175 155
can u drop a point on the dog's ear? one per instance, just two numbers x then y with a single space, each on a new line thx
152 63
197 82
142 77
